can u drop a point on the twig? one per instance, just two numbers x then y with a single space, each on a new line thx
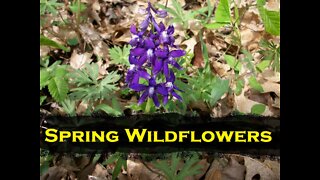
151 169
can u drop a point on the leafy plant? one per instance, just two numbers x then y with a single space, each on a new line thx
49 6
173 172
89 87
208 88
120 56
271 55
205 85
55 78
181 16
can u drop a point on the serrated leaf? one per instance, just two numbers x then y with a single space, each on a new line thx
80 78
92 71
111 78
54 66
271 19
44 41
232 62
60 72
258 109
58 88
255 84
172 170
108 109
120 56
69 107
42 98
188 168
219 88
44 78
222 13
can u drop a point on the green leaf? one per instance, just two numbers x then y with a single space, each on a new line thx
223 12
232 62
239 87
255 84
169 10
69 107
58 88
190 168
248 61
116 105
111 78
44 41
173 172
108 109
258 109
117 169
53 66
263 65
42 98
49 6
92 70
120 56
75 7
271 19
111 159
219 88
60 72
72 41
44 78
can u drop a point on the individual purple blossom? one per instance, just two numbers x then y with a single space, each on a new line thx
135 71
169 58
150 91
146 52
166 36
170 88
137 37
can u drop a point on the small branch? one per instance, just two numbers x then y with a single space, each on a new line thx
152 169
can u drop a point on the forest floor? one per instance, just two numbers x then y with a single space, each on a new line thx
242 53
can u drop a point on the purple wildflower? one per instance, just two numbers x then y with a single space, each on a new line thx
154 50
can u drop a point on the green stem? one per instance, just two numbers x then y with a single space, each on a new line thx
148 105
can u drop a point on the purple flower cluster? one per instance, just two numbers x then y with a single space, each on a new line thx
153 50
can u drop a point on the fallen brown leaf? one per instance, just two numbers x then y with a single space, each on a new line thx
78 60
257 169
